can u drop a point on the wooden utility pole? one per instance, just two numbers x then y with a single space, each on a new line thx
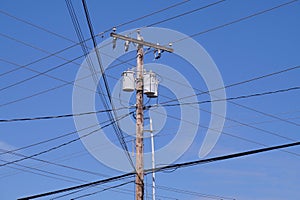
139 179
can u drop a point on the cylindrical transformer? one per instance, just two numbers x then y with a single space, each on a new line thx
150 84
128 84
155 94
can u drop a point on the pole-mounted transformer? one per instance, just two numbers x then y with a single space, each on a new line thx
128 81
150 84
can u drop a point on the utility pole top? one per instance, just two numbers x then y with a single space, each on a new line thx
141 42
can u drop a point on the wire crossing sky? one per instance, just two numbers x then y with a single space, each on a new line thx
254 45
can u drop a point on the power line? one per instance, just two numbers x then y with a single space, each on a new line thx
262 122
259 111
238 122
33 95
82 41
240 83
44 91
111 115
235 136
147 107
48 172
169 167
53 163
226 157
52 139
36 26
116 178
41 73
58 137
253 110
264 113
117 26
59 177
36 173
208 31
186 13
105 189
64 144
193 193
58 116
75 43
38 60
229 98
238 20
233 98
150 14
196 34
285 70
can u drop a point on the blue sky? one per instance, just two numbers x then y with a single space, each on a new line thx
261 45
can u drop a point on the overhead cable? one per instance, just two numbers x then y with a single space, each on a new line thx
168 167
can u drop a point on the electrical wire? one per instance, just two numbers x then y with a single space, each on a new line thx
148 15
48 172
75 43
239 122
38 60
47 90
60 116
108 188
81 40
111 115
53 163
232 135
39 174
229 98
229 119
238 20
108 180
186 13
75 21
168 167
221 158
193 193
274 73
41 73
221 26
272 8
55 138
64 144
35 26
262 122
259 111
240 83
52 139
251 80
266 76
